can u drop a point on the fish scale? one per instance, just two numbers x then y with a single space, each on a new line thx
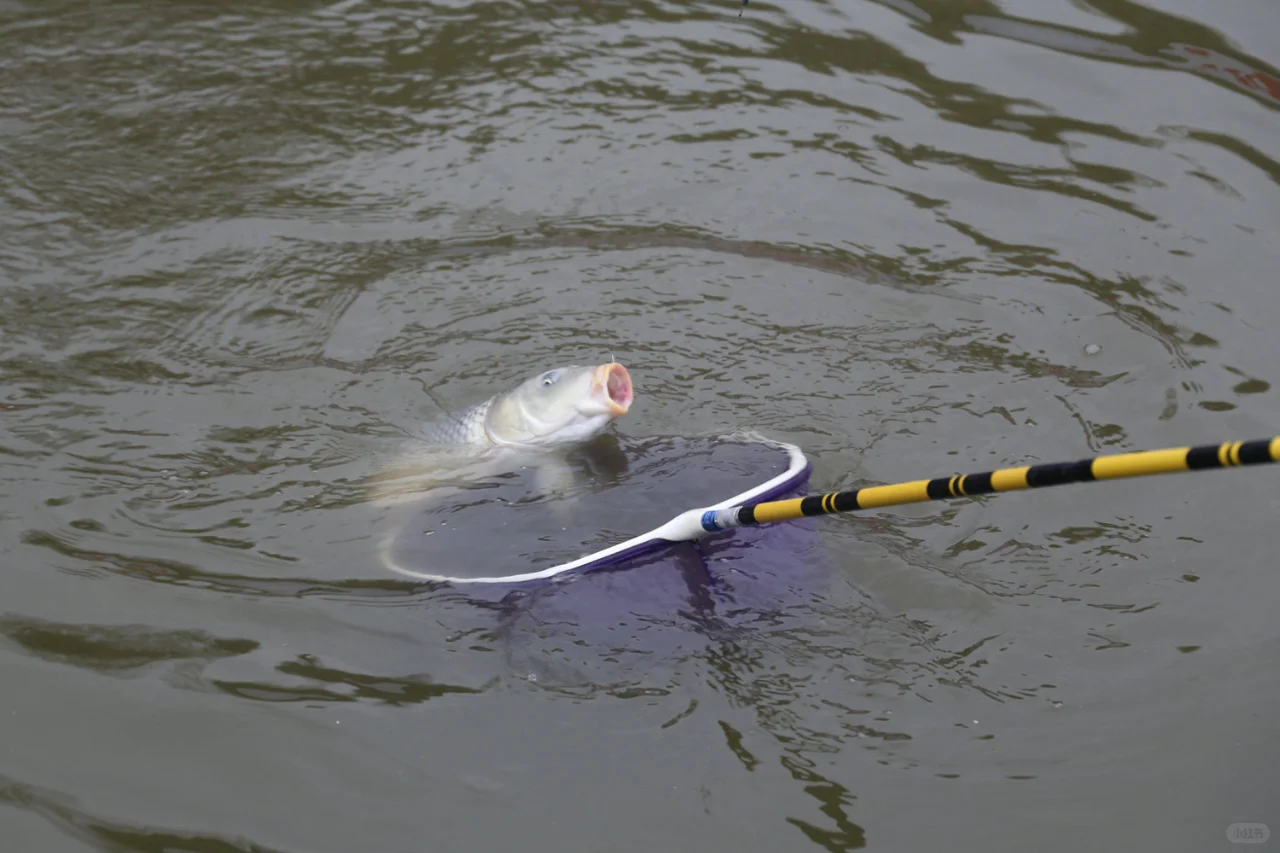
466 428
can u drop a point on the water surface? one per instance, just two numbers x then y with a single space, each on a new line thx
246 246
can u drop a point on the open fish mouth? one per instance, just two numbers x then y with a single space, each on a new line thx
613 383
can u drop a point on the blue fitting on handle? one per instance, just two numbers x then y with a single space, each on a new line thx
709 520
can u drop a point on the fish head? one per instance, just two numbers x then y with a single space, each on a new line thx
564 405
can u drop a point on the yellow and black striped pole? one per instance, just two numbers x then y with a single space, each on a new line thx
1113 467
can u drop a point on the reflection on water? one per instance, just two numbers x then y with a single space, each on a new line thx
70 817
247 249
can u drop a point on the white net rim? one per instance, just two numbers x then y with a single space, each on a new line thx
678 529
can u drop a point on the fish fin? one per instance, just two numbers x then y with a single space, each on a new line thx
411 476
553 475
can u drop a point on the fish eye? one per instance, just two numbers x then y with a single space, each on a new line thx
550 378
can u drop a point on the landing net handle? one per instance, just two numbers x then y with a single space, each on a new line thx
1113 467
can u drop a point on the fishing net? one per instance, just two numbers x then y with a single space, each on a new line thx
605 509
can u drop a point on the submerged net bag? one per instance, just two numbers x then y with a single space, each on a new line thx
600 506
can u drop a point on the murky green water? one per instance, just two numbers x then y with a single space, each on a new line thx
242 244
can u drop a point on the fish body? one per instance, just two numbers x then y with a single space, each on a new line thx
554 410
561 406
